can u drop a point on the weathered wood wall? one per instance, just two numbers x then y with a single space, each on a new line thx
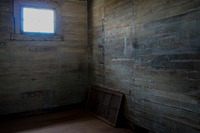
150 51
44 73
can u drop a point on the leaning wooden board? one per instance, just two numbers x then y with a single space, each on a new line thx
104 104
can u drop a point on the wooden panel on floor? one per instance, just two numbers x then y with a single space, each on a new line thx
104 104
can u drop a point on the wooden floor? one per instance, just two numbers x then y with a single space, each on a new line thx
72 121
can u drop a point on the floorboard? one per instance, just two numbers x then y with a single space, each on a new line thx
71 121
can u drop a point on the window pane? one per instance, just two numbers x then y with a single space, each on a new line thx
38 20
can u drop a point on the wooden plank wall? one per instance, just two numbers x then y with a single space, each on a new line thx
150 51
41 74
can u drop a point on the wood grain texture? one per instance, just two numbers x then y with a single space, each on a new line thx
149 50
56 65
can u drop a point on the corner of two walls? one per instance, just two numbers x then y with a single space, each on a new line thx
149 50
39 74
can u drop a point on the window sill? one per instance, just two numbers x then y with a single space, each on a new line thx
36 37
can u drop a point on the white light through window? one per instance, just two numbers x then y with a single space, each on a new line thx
38 20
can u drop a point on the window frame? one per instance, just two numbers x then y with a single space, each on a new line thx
18 4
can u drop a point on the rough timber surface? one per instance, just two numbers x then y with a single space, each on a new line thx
38 71
150 51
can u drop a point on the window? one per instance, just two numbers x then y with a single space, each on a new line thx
37 20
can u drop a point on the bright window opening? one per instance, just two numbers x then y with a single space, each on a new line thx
37 20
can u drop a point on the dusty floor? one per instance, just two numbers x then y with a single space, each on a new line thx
72 121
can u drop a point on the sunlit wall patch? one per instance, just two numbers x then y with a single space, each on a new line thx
37 20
